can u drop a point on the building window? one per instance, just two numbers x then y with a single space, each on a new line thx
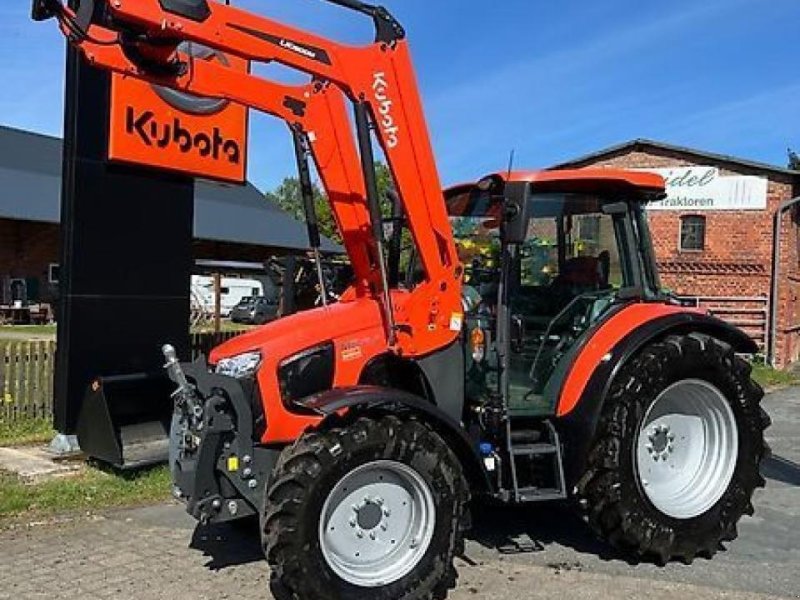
693 234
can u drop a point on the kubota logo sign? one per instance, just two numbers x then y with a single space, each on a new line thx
380 89
164 128
211 144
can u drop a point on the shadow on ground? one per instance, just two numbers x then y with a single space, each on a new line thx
228 544
506 529
781 469
509 530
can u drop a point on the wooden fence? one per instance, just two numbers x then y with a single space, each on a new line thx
203 343
26 379
27 369
749 313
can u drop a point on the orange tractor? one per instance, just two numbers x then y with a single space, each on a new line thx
520 349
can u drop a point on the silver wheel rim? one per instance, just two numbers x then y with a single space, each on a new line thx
377 523
687 449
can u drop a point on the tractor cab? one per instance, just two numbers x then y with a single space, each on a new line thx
549 255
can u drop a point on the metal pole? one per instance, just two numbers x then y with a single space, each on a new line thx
307 192
368 167
217 303
774 298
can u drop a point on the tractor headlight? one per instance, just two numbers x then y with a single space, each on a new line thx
240 366
306 373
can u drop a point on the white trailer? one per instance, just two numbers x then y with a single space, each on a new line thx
232 290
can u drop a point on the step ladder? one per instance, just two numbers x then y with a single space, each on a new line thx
525 444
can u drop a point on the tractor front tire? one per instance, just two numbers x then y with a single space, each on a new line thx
676 454
370 510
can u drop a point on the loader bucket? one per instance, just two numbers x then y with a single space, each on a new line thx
125 420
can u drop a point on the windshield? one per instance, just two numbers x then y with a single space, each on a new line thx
571 243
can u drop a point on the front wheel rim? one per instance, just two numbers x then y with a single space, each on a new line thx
686 449
377 523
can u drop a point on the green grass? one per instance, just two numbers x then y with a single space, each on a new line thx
25 431
31 329
95 489
225 326
768 377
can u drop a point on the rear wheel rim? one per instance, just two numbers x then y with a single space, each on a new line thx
686 450
377 523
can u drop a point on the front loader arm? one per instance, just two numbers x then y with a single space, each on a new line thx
378 77
317 109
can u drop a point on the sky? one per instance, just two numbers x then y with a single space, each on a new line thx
550 80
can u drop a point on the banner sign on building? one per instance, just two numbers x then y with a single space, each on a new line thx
703 188
163 128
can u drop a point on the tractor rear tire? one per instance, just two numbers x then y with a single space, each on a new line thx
369 510
676 454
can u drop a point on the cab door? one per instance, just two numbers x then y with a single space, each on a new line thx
576 265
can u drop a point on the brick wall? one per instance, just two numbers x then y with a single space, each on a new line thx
28 248
737 260
26 251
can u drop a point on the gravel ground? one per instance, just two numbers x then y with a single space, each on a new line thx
159 553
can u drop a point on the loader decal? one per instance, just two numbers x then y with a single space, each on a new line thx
391 131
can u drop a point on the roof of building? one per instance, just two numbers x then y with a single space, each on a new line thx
642 144
30 190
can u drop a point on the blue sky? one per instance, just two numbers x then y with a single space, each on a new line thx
551 80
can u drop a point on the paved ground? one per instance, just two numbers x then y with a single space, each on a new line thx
158 553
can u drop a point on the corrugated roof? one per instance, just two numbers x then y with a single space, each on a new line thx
30 190
645 144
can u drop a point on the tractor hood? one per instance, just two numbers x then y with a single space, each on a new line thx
287 336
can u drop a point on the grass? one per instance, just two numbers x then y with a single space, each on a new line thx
25 431
226 325
31 329
768 377
91 490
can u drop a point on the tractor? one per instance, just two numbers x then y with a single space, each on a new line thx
510 342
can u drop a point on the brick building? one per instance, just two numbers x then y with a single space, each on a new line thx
714 235
231 223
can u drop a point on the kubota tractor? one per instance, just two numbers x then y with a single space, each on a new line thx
521 350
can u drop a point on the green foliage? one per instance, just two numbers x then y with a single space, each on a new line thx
25 431
287 196
93 489
767 377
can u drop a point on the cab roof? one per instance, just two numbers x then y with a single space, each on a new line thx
601 180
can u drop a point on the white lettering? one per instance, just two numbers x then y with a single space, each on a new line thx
299 49
380 89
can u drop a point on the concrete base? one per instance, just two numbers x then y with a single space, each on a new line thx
34 465
64 446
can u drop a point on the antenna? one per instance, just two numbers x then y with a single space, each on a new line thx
510 163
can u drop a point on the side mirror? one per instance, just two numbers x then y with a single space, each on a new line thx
517 333
516 213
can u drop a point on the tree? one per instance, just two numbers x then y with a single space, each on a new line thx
794 160
287 196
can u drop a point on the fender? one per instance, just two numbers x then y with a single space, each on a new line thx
578 424
374 398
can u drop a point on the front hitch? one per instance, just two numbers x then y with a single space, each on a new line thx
216 467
